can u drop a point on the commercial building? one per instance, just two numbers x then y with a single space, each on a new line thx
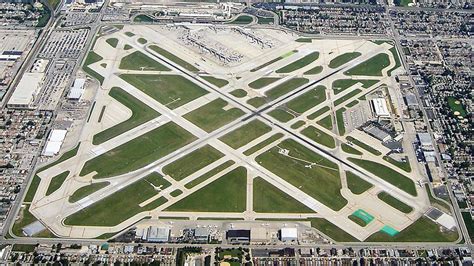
26 91
379 107
289 234
55 141
241 236
259 235
378 133
425 141
158 234
77 90
201 235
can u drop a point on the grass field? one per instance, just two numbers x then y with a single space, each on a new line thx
112 42
262 20
239 93
30 194
127 47
269 199
351 104
394 52
192 162
285 87
308 99
393 177
143 18
357 220
129 34
356 184
423 230
363 146
304 40
319 137
371 67
245 134
142 41
340 85
298 124
318 113
405 165
262 82
349 149
300 63
86 191
141 113
176 193
56 182
343 58
226 194
340 121
326 122
92 58
170 90
121 205
347 97
274 60
242 20
174 58
211 173
140 61
139 152
456 106
263 144
332 231
295 171
281 115
314 71
257 101
212 116
394 202
217 82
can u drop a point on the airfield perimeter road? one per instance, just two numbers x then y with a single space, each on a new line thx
252 114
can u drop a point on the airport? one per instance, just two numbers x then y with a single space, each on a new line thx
212 131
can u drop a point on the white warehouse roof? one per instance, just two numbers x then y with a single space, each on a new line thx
77 89
26 90
55 141
380 107
289 233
